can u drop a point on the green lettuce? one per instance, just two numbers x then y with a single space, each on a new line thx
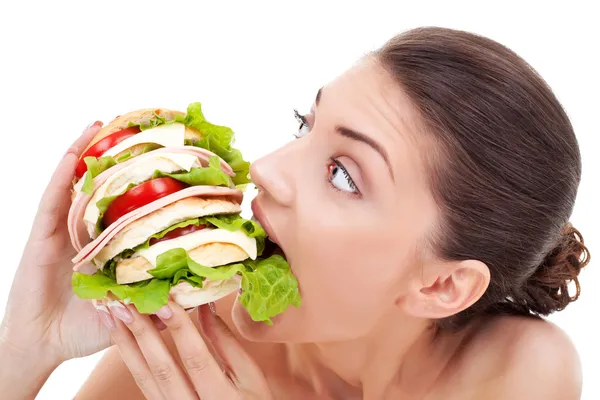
148 296
124 157
234 222
212 175
95 167
268 286
230 222
217 139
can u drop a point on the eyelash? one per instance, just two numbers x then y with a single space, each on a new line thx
302 120
349 179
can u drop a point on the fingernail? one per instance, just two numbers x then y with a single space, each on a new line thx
104 316
191 310
95 123
213 308
120 311
165 312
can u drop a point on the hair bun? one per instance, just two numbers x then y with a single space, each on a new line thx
547 290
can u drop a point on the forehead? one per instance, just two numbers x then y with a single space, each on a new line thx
366 98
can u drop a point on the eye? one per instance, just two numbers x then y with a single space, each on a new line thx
303 129
339 177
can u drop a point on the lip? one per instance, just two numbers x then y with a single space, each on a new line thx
263 221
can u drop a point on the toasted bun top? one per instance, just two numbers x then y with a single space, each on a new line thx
139 117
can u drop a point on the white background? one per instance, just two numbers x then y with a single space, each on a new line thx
66 64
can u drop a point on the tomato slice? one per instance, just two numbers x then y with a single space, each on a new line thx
139 196
175 233
103 145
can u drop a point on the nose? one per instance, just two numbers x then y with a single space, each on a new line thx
274 175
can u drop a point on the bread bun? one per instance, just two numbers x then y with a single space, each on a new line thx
188 296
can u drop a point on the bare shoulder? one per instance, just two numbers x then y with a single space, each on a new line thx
523 358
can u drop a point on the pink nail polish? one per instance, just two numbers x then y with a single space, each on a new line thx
165 312
120 311
105 316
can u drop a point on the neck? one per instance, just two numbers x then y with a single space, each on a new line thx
399 355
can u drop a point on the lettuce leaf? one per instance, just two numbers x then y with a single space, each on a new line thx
218 139
230 222
153 122
212 175
234 222
268 286
95 167
148 296
187 276
124 157
269 289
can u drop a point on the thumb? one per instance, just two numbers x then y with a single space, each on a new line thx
56 200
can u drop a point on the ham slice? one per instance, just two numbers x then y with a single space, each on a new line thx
92 249
77 229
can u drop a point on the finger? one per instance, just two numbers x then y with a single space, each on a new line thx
242 367
206 375
135 361
171 380
55 201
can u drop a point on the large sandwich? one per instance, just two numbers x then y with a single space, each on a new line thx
156 214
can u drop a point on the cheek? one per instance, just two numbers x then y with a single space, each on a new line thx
349 275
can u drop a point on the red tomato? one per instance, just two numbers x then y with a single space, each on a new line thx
139 196
102 146
175 233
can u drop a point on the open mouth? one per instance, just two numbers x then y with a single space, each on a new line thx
272 248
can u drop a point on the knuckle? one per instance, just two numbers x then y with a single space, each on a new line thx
195 363
141 379
138 330
161 372
175 325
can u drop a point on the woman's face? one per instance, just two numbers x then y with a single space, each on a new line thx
348 203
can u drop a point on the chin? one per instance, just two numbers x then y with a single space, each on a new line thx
284 328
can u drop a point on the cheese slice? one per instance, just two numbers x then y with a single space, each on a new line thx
164 135
199 238
136 173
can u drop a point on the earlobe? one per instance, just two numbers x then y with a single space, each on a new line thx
450 288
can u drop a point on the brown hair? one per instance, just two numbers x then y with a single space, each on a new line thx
506 172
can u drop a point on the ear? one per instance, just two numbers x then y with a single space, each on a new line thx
446 289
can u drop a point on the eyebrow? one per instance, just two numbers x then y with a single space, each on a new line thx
360 137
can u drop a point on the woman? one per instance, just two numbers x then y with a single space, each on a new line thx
424 209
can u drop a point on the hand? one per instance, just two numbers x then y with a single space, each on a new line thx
43 317
215 369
